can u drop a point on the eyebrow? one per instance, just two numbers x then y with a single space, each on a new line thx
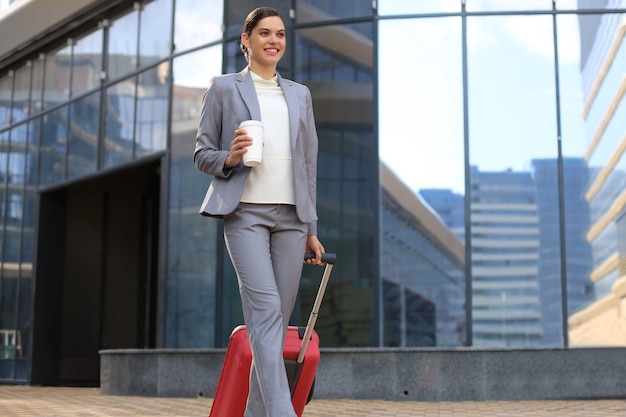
279 30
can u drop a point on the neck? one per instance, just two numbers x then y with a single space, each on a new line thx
267 73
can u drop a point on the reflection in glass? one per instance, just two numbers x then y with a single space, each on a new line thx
197 22
570 4
32 160
602 65
122 45
24 321
57 76
37 86
17 154
53 147
83 145
8 319
398 7
308 11
21 93
514 187
589 4
336 63
4 149
155 32
6 97
119 122
192 307
87 63
423 260
151 120
236 12
14 209
498 5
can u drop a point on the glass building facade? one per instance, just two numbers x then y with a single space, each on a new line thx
470 176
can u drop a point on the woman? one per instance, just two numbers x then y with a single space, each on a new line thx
269 210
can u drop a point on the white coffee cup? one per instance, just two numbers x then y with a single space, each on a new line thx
254 154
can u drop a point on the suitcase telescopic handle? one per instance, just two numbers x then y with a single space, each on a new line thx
329 259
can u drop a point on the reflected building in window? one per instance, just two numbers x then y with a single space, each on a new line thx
423 271
603 65
505 259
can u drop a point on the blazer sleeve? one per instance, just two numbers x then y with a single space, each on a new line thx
209 157
310 157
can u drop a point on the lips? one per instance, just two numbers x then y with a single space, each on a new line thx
271 50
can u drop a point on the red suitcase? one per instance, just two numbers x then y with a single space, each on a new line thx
301 355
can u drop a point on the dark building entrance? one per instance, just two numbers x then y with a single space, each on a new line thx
96 273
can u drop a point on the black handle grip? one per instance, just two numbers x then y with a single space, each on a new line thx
328 258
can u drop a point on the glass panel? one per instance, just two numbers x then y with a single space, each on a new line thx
499 5
236 12
21 93
57 77
19 137
119 122
22 345
197 22
122 45
155 31
8 321
594 112
193 248
336 63
571 4
590 4
37 86
389 7
32 163
83 145
87 63
4 196
6 97
513 150
152 111
53 146
423 256
325 10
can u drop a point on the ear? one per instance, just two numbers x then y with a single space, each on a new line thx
245 40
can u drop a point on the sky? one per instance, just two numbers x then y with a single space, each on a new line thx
512 102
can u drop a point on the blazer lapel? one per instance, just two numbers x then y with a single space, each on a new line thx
245 85
291 97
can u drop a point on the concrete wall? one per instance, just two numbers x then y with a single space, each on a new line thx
390 374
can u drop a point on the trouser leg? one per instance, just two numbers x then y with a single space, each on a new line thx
266 245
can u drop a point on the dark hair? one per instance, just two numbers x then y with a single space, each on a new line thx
253 19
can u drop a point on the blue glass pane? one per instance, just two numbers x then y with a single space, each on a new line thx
87 62
155 35
193 240
83 143
197 22
152 109
122 45
53 147
119 123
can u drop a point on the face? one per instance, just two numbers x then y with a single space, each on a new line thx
266 44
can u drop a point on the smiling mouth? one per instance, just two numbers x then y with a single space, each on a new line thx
271 50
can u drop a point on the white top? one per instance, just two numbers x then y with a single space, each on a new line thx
272 182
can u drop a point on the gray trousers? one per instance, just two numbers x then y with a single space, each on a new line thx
266 244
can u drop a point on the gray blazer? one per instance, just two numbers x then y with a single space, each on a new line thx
231 99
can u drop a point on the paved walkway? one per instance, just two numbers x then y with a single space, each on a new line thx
22 401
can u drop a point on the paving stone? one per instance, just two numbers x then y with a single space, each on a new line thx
34 401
